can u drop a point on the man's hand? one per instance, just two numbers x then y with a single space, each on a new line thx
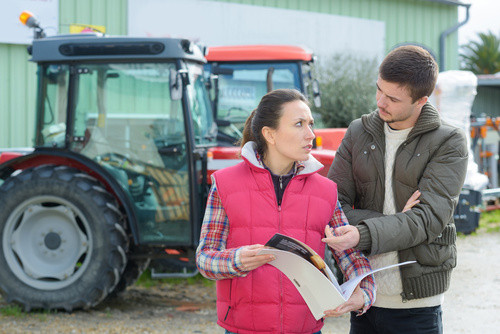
356 302
347 237
250 260
412 201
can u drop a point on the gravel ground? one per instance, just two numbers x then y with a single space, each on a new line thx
471 305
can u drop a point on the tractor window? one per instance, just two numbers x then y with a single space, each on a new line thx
241 91
203 126
126 109
51 112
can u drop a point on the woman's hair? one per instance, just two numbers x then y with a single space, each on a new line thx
411 67
268 113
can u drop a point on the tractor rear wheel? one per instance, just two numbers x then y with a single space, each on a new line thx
62 239
133 271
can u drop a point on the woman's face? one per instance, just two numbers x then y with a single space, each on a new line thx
293 139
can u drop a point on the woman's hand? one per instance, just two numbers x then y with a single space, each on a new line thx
347 237
249 258
412 201
354 303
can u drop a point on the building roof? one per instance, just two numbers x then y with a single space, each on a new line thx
450 2
488 79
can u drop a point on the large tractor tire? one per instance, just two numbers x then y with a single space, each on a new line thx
133 271
62 239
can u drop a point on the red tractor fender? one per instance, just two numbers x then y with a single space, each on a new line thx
19 161
6 156
64 158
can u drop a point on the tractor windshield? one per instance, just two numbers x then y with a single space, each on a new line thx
129 102
240 86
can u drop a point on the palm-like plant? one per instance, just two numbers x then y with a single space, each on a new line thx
482 57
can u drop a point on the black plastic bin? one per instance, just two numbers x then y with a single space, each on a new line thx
467 211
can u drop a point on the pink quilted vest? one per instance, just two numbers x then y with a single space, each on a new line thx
265 301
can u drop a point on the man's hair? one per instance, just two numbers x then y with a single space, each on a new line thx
413 68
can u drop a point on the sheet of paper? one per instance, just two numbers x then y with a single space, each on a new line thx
348 287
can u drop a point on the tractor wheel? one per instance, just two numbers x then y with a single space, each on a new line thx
62 240
133 271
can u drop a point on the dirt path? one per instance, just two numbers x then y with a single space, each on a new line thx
472 305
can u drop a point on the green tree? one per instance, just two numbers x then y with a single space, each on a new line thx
483 56
347 89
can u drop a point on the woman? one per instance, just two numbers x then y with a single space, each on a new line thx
275 189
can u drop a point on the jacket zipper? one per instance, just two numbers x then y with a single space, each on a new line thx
279 226
279 230
281 303
230 299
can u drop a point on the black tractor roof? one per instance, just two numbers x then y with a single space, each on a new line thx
91 47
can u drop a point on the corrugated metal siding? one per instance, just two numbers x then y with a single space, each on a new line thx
17 96
18 84
415 21
487 102
406 21
110 13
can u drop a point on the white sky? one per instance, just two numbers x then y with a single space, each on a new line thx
484 16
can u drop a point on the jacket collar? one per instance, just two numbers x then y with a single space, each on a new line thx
428 120
250 155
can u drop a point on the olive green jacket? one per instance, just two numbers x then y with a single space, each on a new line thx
433 159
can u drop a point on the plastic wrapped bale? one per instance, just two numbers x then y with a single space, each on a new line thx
453 97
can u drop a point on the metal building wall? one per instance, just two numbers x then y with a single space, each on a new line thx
17 92
489 103
415 21
109 13
406 21
18 75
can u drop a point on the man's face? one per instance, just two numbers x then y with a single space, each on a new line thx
395 105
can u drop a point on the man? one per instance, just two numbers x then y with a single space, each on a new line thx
399 172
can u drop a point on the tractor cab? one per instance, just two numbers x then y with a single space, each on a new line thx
136 112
